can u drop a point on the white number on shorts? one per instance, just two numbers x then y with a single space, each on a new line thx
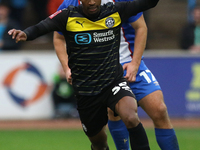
144 74
122 85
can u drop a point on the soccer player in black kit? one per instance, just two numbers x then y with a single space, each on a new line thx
92 33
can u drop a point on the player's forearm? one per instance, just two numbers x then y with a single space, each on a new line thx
63 58
40 29
140 44
60 48
35 31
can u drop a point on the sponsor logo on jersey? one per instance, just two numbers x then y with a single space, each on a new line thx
80 23
83 38
103 36
98 37
110 22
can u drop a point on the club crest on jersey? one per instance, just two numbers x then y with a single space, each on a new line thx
110 22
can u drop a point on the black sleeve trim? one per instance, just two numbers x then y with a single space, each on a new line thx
128 9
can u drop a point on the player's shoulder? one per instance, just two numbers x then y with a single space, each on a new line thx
67 3
109 4
71 2
71 7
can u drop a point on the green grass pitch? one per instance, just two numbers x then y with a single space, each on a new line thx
77 140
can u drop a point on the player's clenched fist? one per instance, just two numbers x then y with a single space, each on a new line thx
18 35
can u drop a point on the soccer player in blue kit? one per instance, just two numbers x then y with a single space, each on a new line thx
143 83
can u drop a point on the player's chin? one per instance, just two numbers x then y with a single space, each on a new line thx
93 12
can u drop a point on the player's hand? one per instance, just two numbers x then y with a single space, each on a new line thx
68 76
18 35
131 72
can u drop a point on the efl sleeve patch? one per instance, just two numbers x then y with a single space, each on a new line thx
55 14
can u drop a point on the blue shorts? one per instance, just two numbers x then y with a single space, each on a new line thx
145 82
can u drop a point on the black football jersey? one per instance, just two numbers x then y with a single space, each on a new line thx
92 43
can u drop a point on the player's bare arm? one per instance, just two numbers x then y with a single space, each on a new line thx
61 51
140 44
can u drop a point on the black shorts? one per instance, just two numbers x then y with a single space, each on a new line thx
93 109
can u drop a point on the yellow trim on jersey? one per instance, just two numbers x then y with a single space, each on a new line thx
78 24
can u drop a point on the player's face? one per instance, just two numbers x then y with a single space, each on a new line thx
91 7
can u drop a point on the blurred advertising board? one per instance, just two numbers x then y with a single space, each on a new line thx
25 85
26 79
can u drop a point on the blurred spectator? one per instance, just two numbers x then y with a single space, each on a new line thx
191 5
63 97
53 5
18 10
190 35
6 23
40 7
